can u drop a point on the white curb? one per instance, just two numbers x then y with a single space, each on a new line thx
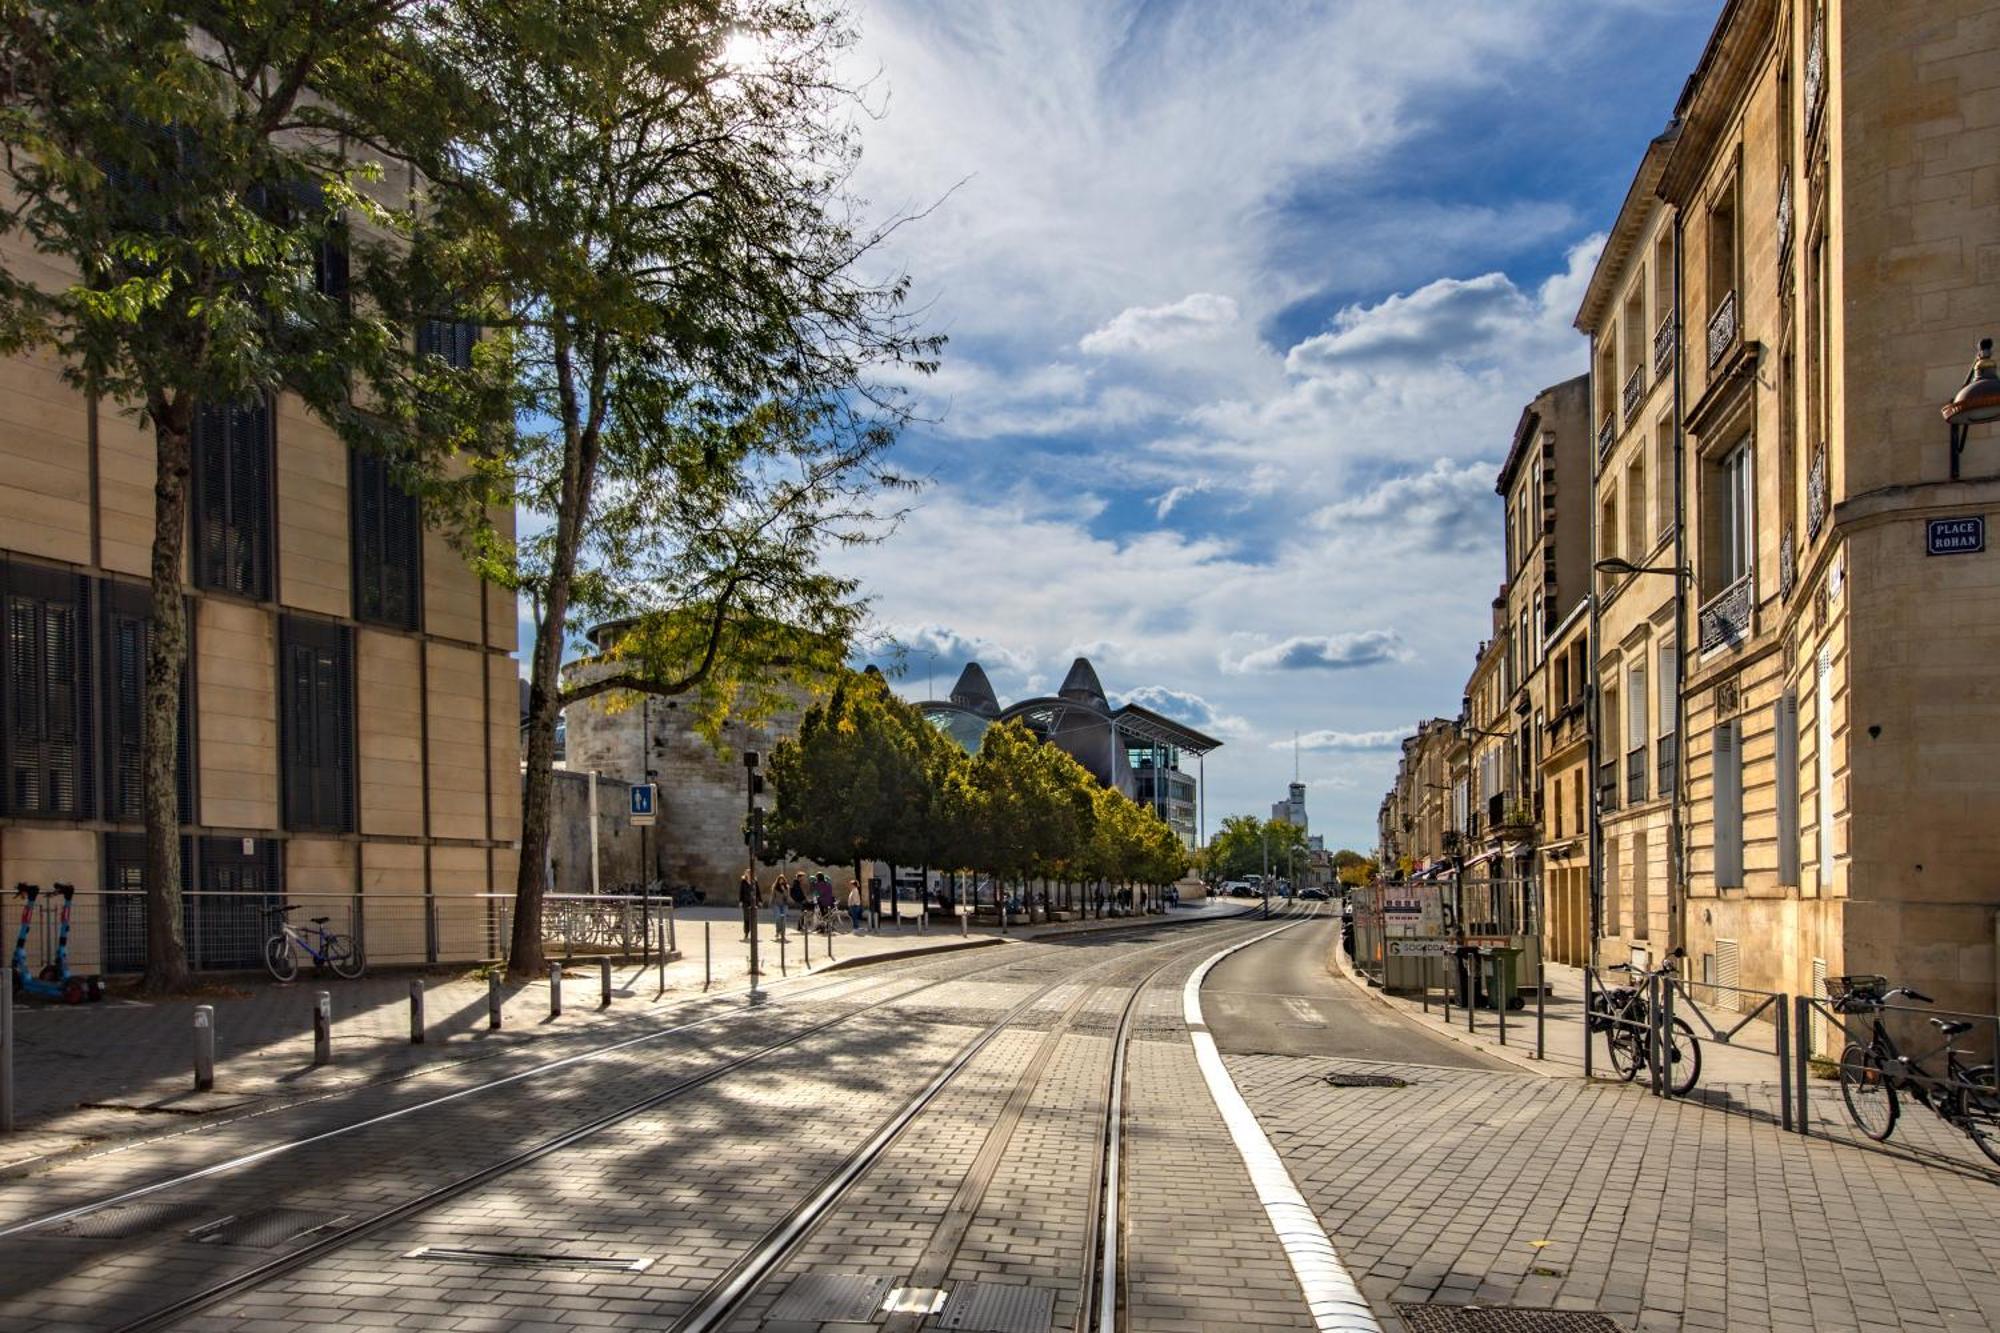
1336 1303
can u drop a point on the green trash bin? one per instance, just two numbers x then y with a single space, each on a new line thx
1503 976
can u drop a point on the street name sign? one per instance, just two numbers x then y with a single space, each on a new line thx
1955 536
642 804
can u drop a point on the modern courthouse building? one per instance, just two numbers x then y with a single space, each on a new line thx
1788 682
350 728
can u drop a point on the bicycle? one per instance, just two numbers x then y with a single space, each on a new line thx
826 921
1967 1098
1624 1016
326 949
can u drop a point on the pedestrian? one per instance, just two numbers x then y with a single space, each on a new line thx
854 903
746 898
799 893
778 902
823 894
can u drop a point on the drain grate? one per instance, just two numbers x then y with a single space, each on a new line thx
1502 1319
1339 1080
265 1229
601 1263
998 1307
831 1298
123 1221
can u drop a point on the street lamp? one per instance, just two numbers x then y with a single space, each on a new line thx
1620 566
1977 400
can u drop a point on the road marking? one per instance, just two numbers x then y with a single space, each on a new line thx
1303 1011
1336 1303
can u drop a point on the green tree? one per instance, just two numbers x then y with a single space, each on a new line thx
194 201
844 785
1246 845
657 193
1352 868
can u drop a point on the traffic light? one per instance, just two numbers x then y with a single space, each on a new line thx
756 784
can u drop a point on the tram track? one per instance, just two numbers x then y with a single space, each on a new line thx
338 1237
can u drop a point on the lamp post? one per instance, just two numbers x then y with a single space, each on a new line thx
1977 400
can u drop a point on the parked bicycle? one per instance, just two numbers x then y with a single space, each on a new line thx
1625 1016
342 953
826 921
1873 1073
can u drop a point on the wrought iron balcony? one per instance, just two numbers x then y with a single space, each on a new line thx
1606 433
1635 389
1663 345
1722 328
1816 493
1669 748
1725 617
1815 68
1635 775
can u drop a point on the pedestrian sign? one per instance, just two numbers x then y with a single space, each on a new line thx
642 804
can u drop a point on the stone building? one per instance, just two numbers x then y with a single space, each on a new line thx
1567 783
349 727
1628 315
1835 186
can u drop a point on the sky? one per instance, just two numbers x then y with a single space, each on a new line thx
1244 301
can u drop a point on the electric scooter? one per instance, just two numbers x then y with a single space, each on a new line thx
55 982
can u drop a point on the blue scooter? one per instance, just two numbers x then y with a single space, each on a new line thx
56 981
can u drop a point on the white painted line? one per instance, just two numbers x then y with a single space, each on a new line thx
1336 1303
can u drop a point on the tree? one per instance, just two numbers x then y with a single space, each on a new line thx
658 191
1246 845
1352 868
196 179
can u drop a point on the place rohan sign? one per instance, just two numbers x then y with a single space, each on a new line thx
1955 536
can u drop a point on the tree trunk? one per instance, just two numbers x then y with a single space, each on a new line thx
166 659
524 951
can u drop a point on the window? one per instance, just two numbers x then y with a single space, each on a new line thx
451 339
1727 756
387 543
1556 806
128 633
316 684
45 711
1607 539
1540 624
1670 687
1638 540
1722 248
1636 701
1638 345
1663 485
1736 552
232 499
1663 277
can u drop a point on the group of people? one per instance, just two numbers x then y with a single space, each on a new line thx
798 895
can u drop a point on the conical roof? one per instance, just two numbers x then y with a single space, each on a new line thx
1081 685
974 692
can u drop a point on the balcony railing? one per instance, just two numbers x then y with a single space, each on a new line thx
1606 433
1816 493
1663 346
1669 747
1635 389
1722 328
1635 775
1725 617
1607 786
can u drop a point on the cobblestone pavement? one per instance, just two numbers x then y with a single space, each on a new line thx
695 1181
102 1073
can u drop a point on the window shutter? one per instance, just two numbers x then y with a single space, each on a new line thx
1670 685
1635 709
1786 724
1728 786
388 545
232 471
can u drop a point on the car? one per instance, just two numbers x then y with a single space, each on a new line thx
1236 888
1317 895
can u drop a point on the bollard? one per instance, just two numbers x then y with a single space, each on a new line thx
6 1050
322 1029
807 936
1003 918
672 945
923 917
964 922
706 972
783 968
555 990
416 1013
204 1047
1541 990
604 983
492 1001
1784 1060
1500 997
666 940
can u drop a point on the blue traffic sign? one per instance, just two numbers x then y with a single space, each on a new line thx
642 803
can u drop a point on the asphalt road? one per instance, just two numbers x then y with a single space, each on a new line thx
1277 998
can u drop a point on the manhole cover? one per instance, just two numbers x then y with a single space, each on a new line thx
998 1307
1501 1319
123 1221
831 1298
529 1259
266 1228
1338 1080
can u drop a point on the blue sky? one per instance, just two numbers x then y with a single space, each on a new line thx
1244 300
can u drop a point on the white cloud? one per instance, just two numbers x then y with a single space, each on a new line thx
1165 503
917 644
1449 504
1185 706
1323 652
1345 740
1148 328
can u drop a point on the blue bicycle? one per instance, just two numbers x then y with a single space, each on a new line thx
326 949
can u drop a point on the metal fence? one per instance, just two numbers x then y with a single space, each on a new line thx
1671 1034
226 931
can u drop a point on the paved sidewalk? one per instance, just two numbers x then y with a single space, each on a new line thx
102 1072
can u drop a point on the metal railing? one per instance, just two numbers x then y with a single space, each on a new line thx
1663 345
226 931
1635 389
1725 617
1606 433
1669 748
1607 785
1722 328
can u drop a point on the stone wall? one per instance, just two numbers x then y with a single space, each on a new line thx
618 843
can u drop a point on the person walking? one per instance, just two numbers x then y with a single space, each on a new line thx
823 893
746 898
778 903
799 894
854 903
